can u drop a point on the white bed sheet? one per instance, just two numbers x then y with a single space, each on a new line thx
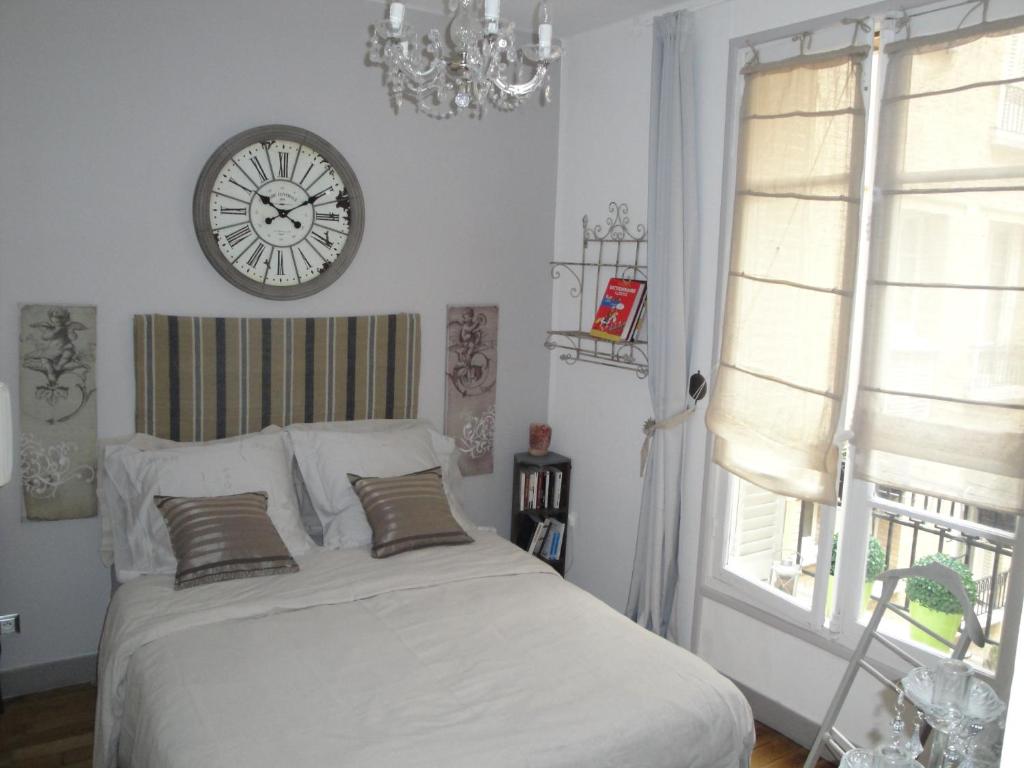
477 655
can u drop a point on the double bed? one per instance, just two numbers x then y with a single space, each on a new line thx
473 655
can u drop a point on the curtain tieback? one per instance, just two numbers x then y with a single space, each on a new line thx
651 426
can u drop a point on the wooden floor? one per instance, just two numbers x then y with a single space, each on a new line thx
48 729
55 729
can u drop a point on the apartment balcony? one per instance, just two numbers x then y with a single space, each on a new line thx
912 525
775 543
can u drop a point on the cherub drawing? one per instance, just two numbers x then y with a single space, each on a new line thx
56 354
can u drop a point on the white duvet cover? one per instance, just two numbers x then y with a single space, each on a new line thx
476 655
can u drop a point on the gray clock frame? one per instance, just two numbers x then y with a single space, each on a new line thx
208 238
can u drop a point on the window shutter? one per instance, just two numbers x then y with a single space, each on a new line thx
760 517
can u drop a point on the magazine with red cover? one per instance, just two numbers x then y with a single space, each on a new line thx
617 310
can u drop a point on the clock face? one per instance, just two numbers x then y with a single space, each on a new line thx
278 212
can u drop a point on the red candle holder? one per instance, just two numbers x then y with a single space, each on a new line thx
540 439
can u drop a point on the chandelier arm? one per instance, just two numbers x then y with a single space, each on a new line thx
430 74
521 90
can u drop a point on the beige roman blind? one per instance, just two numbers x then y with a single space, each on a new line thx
940 407
779 386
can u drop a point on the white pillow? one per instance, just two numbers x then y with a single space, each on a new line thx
444 447
115 510
310 518
326 457
259 462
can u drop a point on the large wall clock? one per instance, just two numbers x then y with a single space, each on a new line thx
278 212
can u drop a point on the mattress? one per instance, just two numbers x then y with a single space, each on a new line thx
477 655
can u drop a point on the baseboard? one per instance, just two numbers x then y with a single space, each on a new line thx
46 677
780 718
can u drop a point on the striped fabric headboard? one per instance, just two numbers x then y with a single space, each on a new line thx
202 378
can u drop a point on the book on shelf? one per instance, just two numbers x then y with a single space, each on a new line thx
539 535
540 489
639 330
617 313
552 547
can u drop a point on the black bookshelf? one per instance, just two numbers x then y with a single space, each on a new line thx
525 521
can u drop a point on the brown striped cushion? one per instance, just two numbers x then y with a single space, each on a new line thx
408 512
220 538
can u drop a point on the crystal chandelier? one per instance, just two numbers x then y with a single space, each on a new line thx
484 65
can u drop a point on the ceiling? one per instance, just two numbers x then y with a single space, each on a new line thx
569 17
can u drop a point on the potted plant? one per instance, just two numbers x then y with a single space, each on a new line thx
934 606
874 568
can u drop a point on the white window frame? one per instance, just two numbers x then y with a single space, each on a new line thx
839 633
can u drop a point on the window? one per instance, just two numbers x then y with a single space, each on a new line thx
774 541
930 371
1010 121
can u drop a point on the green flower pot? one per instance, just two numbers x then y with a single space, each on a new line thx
945 625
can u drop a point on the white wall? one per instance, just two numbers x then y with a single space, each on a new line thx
108 110
596 413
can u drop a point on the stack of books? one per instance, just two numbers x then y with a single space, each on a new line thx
540 489
548 538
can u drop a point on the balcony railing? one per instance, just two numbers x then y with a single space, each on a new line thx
970 535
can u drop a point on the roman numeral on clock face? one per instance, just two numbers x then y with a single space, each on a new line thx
253 260
280 263
259 168
324 238
327 217
233 211
283 159
238 235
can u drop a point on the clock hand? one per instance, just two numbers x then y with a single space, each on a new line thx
308 202
266 201
281 212
283 215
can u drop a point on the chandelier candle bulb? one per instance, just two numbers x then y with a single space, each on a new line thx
544 38
492 9
396 15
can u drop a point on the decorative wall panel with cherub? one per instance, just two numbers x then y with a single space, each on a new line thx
58 411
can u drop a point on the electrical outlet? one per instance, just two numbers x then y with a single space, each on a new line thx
10 624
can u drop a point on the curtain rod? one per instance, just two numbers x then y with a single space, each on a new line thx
806 37
983 4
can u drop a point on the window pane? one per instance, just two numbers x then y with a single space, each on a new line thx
942 372
774 541
980 540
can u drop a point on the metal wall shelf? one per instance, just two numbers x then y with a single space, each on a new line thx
618 251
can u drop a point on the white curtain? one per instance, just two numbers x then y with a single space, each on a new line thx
778 391
940 407
672 304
